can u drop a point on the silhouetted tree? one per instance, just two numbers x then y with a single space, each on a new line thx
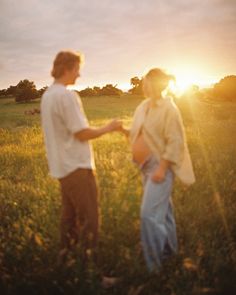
135 81
41 91
109 89
11 91
225 89
137 86
97 90
25 91
2 93
88 92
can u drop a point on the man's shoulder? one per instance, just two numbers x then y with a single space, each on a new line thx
74 94
60 89
63 94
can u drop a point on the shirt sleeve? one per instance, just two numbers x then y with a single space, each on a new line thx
72 113
174 137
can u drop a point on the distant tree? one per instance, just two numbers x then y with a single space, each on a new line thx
225 89
97 90
88 92
41 91
11 91
109 89
137 86
25 91
2 93
135 81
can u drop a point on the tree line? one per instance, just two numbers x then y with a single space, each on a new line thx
25 90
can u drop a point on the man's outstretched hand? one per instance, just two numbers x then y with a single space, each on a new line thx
114 125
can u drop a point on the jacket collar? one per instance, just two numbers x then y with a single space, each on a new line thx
159 102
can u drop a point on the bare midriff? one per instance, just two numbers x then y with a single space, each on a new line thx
140 150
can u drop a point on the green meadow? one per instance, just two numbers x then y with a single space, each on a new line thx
205 212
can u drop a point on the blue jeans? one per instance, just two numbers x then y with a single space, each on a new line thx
158 228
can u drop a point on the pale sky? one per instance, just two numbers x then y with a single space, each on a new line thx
195 40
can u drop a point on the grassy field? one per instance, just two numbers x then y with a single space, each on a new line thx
205 213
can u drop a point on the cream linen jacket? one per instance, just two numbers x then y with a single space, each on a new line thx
163 130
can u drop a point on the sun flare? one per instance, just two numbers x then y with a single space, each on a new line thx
186 77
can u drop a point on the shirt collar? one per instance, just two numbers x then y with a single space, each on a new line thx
159 102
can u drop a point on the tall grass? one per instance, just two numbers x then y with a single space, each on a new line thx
30 208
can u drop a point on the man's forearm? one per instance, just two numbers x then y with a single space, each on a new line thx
91 133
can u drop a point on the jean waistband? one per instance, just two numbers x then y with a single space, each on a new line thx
150 162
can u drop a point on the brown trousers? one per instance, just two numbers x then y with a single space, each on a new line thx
79 216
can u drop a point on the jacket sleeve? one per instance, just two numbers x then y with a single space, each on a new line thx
174 137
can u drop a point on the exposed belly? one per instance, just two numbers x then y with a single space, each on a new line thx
140 150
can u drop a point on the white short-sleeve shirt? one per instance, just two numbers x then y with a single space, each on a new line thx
62 115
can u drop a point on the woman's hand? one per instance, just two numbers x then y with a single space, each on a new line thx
126 132
114 125
159 174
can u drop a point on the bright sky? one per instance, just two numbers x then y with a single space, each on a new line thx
195 40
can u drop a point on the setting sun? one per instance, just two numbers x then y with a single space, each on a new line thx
186 77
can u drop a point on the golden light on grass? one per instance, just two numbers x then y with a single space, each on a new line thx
212 176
